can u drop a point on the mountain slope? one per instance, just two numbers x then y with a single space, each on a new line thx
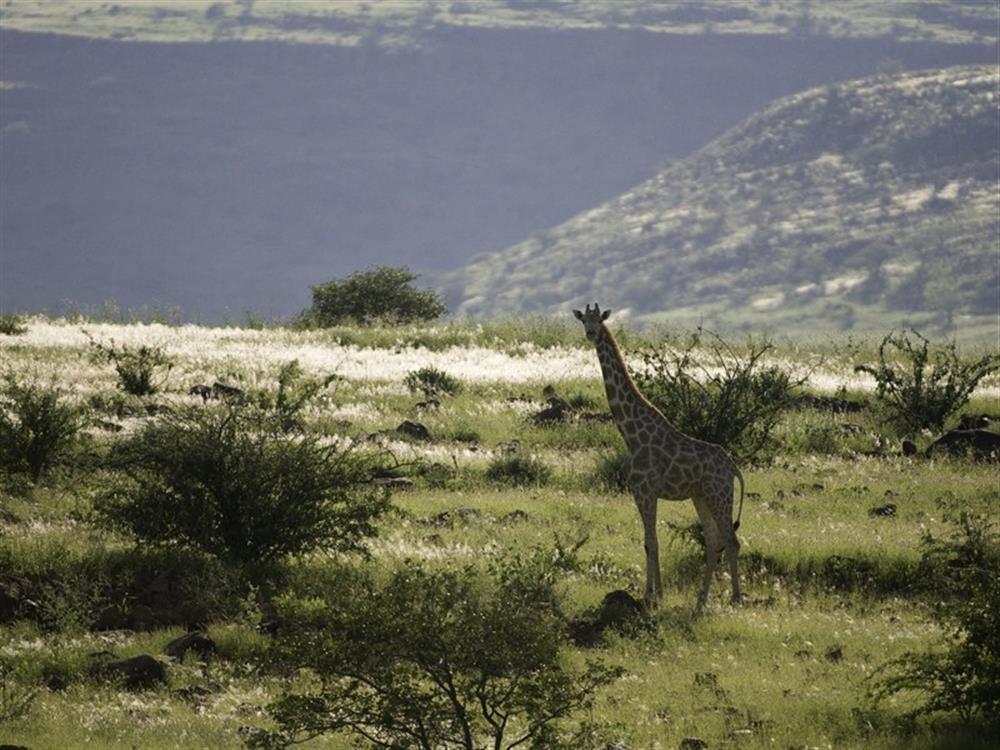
867 204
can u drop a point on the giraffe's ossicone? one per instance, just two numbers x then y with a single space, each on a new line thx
665 463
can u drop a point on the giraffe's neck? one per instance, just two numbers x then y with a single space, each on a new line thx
623 397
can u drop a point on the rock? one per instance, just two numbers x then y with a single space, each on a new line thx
394 483
138 673
835 654
693 743
415 430
909 448
8 605
557 410
196 641
620 609
142 618
202 390
193 694
981 444
110 618
973 422
225 391
514 516
883 511
5 746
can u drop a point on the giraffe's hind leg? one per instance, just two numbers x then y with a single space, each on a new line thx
723 516
712 550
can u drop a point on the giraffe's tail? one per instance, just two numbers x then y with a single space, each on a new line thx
739 513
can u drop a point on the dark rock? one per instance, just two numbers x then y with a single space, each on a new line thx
205 391
980 444
693 743
829 403
514 516
414 430
141 618
110 618
557 410
394 483
620 609
909 448
5 746
973 422
225 391
883 511
138 673
108 426
9 605
196 641
835 654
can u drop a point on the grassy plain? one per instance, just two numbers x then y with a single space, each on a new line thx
833 591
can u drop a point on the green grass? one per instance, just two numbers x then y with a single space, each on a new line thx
820 573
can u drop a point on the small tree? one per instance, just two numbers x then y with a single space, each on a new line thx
382 293
710 391
964 675
36 426
229 483
136 367
442 659
921 386
432 382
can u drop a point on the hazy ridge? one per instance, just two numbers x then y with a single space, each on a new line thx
869 203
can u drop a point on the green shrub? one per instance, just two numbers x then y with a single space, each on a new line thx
229 483
15 697
430 659
920 386
963 674
12 325
711 392
37 427
518 470
383 293
295 392
432 382
136 367
612 470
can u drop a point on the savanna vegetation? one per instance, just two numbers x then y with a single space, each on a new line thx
406 536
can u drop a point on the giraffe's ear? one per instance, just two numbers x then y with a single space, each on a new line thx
605 315
578 314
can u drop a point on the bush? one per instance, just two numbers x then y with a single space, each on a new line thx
36 426
382 293
612 470
518 470
136 368
12 325
430 660
432 382
921 386
720 396
227 482
295 393
964 675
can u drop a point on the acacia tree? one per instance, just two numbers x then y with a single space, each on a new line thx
430 660
382 293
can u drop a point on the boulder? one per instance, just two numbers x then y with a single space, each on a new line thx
197 641
138 672
980 444
620 609
414 430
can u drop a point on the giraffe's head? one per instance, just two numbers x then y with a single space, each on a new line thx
592 320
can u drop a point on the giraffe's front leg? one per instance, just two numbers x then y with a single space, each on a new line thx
654 587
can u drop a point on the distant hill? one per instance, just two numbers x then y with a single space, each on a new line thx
403 23
224 156
864 204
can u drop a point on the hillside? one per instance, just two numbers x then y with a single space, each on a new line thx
403 23
223 157
858 205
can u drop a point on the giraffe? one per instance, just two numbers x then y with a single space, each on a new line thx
664 462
